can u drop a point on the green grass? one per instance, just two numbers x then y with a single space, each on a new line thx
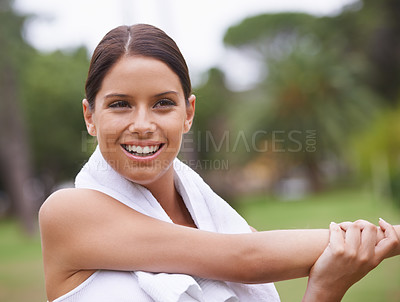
265 213
21 273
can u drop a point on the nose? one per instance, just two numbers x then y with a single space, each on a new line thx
142 122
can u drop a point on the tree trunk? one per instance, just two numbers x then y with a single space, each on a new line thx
314 175
15 168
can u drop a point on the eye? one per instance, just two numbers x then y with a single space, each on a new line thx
119 104
164 103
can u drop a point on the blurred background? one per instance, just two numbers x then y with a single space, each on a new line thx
297 117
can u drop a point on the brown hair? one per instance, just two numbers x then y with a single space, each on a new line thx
140 39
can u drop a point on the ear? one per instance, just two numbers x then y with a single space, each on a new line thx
88 116
190 108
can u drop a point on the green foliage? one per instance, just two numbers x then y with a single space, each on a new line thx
212 118
380 27
15 165
53 91
318 79
311 91
13 46
264 27
376 152
380 138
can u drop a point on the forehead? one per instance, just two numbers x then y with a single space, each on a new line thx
140 75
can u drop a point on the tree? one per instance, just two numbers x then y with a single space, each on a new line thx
383 46
368 28
315 83
212 117
52 96
15 161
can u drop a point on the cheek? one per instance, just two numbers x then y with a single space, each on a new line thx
109 129
174 129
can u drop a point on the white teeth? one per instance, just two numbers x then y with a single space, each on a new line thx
144 151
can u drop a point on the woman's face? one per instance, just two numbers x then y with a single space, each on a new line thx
139 118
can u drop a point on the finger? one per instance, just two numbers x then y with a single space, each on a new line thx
345 225
384 224
353 238
363 223
368 240
386 246
386 227
356 239
336 238
380 234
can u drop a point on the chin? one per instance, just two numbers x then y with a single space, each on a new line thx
146 174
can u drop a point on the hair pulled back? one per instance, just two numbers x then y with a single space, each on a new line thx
140 39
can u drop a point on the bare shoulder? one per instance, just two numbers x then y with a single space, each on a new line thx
74 223
59 219
58 206
67 215
74 217
71 205
70 199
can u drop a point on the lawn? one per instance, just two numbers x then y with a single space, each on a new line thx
266 213
21 273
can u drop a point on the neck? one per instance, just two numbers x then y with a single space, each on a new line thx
163 189
168 197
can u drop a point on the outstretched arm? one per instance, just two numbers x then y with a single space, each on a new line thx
85 229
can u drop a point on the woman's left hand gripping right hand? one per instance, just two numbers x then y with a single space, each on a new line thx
348 258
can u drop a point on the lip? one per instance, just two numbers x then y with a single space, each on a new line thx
145 158
143 143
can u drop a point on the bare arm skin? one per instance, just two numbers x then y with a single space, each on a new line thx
88 230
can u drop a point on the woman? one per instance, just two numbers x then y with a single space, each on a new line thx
137 211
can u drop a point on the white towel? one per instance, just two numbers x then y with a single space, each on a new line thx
209 212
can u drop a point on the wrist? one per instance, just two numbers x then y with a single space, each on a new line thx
317 293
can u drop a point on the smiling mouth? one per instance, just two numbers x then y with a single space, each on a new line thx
142 151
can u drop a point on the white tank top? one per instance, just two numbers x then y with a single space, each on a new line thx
120 286
107 286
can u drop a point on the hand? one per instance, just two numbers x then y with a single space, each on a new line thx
348 258
391 235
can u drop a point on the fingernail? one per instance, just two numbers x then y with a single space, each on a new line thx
333 224
381 219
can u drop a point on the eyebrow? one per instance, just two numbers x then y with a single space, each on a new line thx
166 92
122 95
117 95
